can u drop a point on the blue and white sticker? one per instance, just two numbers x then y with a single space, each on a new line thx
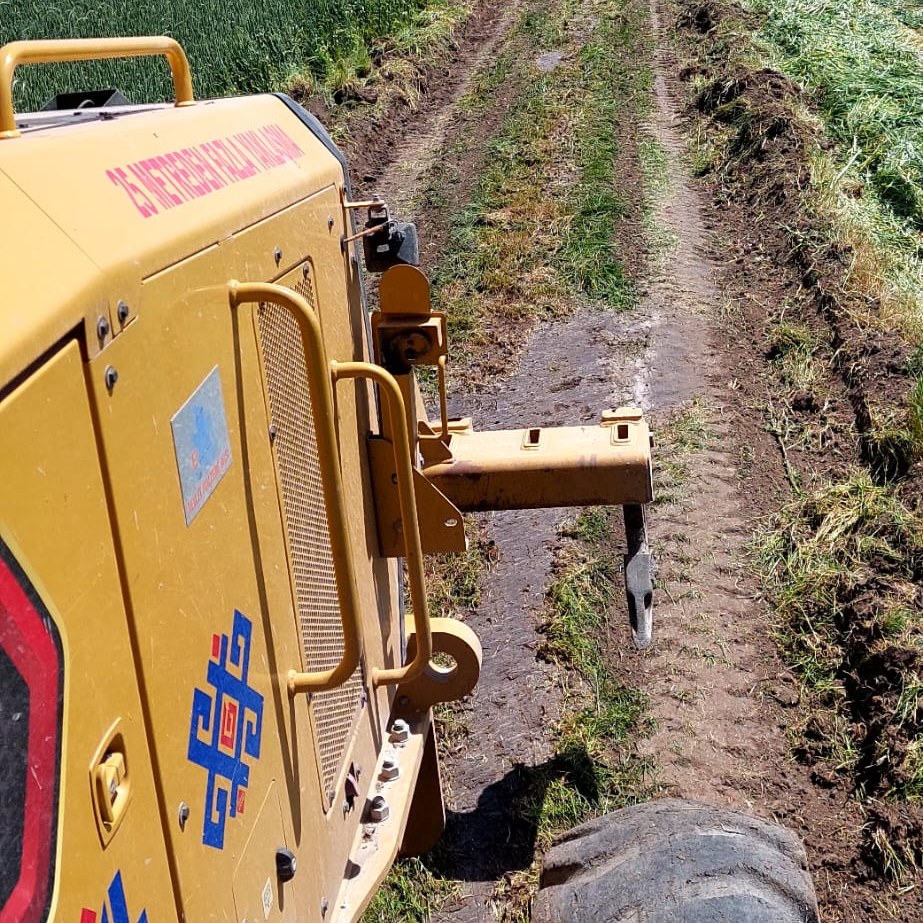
203 449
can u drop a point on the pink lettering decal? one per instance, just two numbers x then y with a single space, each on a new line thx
140 201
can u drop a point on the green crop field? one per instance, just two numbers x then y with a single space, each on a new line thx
234 46
863 62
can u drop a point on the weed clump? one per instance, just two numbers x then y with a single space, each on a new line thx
845 575
894 840
703 18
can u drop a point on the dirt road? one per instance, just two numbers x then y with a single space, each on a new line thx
719 701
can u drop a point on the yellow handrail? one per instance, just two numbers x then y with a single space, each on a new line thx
321 391
87 49
413 549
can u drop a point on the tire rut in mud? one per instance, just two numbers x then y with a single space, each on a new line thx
721 697
788 278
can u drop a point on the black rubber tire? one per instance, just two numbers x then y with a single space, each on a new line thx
674 861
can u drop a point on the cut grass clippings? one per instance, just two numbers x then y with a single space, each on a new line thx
679 439
453 581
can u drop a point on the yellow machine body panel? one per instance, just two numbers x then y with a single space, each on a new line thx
145 190
191 414
55 523
188 583
44 298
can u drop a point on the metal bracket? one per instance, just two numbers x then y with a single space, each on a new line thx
385 242
539 467
639 582
438 683
390 392
441 527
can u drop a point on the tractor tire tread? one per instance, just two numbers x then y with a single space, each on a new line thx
674 861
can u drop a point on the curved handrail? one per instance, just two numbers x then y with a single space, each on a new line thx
413 548
52 51
321 391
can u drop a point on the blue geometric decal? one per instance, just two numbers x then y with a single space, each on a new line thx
117 904
226 726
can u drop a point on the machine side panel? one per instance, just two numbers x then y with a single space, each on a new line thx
209 570
139 192
47 283
109 854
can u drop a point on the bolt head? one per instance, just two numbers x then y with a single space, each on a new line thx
378 809
277 255
112 376
123 311
389 770
400 731
102 327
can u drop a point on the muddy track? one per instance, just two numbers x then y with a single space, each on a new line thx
721 700
389 159
705 674
787 267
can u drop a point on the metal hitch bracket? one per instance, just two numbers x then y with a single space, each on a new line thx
463 470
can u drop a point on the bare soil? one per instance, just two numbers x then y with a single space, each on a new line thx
722 702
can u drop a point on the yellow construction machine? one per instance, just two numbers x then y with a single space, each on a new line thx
215 469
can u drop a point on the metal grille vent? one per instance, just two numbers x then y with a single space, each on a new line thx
298 470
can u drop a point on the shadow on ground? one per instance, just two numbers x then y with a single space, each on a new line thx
499 835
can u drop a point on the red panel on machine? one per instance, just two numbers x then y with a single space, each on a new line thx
30 712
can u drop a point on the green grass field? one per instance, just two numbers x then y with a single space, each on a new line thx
233 46
863 62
